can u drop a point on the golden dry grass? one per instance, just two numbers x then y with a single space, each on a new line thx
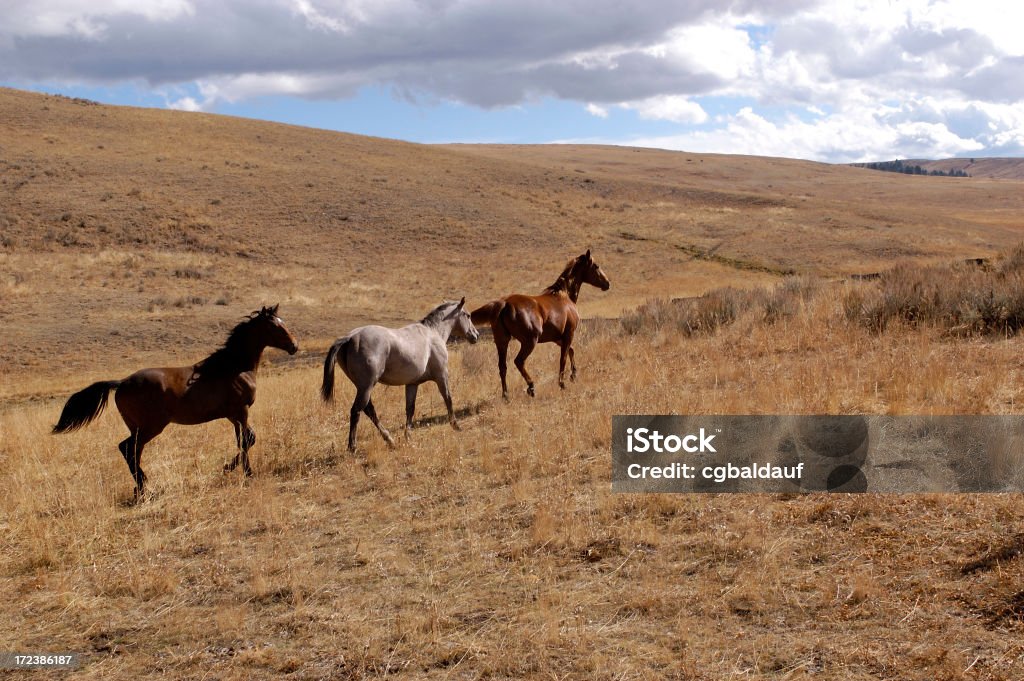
498 551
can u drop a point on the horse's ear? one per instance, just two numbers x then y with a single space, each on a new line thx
461 303
273 310
587 256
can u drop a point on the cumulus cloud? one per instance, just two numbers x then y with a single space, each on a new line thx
854 80
669 108
456 48
184 104
856 135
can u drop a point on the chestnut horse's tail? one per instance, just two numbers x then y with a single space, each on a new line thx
327 389
84 406
488 313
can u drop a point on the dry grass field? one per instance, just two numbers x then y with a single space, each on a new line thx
498 551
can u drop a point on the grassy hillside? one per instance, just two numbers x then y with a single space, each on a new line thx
992 168
139 236
498 551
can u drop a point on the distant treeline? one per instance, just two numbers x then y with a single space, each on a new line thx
899 166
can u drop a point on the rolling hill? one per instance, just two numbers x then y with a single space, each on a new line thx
992 168
131 235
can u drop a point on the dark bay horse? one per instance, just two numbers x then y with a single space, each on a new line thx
222 386
550 317
408 356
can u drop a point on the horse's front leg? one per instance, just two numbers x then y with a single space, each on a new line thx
561 365
446 395
248 440
567 350
245 437
410 406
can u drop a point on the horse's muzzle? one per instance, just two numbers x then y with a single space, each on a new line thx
607 285
293 349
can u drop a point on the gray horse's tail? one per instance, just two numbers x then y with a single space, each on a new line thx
327 389
487 313
84 406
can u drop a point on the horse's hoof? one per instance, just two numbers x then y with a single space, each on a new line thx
561 384
572 377
505 397
248 473
529 391
456 426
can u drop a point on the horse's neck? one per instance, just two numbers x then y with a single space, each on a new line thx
442 328
572 289
250 356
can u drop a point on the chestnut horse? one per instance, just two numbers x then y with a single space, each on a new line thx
222 386
550 317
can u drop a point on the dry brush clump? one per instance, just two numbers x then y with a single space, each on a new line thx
722 307
962 299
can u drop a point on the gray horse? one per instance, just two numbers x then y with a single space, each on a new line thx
407 356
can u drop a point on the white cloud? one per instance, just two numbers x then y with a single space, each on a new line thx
674 108
185 104
595 110
721 48
859 135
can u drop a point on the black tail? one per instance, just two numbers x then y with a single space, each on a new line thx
327 389
84 406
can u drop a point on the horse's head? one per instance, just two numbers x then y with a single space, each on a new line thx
464 323
591 273
273 330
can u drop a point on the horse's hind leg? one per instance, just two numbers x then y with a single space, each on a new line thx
372 413
130 451
526 348
131 448
572 362
501 340
230 466
363 404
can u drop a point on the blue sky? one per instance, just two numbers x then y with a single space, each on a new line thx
826 80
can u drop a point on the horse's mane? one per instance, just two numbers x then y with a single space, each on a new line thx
225 360
562 283
438 313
